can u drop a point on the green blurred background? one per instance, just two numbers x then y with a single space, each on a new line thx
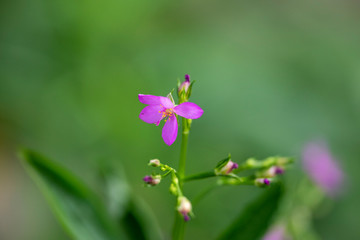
271 76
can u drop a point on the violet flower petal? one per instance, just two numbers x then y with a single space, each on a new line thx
170 130
322 168
155 100
166 102
149 99
189 110
151 114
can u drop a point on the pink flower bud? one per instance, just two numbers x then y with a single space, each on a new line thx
184 208
228 168
260 182
154 162
152 180
185 85
273 171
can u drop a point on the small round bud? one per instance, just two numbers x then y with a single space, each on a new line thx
152 180
173 189
273 171
154 162
251 162
261 182
184 207
184 86
228 168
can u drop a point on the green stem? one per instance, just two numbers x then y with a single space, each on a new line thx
199 176
183 151
179 225
210 174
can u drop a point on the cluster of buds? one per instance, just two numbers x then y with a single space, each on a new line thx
153 180
277 167
264 177
184 208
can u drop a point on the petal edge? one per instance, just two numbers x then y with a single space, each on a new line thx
189 110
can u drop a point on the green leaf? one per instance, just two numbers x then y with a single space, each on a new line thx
253 222
132 215
76 207
222 163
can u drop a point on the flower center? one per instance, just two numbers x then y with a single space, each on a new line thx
168 112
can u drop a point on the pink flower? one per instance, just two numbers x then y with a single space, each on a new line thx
321 166
162 107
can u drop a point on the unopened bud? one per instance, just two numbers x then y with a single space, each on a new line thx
184 208
184 86
273 171
154 163
260 182
152 180
227 168
173 189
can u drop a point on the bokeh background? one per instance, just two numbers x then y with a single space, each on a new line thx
271 76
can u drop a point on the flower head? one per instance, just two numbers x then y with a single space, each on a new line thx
163 108
322 168
184 208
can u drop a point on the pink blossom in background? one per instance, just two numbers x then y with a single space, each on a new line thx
276 233
322 168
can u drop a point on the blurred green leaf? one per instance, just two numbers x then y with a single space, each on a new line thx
77 208
132 214
255 219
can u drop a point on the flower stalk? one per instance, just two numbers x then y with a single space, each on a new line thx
179 225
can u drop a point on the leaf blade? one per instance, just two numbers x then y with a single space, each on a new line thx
131 213
75 206
255 219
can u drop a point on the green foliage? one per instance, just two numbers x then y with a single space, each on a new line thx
82 213
77 208
255 219
130 213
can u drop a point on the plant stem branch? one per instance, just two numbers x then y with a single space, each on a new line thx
183 151
199 176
